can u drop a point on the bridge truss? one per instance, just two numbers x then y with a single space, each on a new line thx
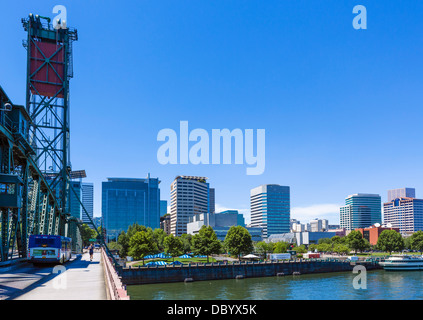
35 170
34 145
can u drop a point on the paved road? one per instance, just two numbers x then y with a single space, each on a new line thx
81 280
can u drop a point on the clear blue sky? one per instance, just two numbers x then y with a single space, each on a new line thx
342 108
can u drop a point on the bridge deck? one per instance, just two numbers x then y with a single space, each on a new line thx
82 280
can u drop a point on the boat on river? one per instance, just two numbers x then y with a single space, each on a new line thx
402 263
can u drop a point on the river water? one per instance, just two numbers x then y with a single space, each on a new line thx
329 286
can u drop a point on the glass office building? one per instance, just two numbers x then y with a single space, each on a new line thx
270 209
75 197
84 193
361 210
163 207
126 201
87 191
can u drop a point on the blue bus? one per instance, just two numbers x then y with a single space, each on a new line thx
49 249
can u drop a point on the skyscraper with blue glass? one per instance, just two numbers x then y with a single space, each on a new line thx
270 209
361 210
126 201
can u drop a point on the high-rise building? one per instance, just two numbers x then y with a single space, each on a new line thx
361 210
126 201
189 195
401 193
319 225
212 200
85 194
75 198
87 191
221 223
163 207
165 223
270 209
403 210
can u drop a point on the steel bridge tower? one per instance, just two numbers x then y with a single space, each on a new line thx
49 69
35 170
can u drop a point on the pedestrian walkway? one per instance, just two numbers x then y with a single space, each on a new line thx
82 280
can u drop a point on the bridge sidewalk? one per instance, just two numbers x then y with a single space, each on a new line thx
82 280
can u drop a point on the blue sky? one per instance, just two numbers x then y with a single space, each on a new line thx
341 107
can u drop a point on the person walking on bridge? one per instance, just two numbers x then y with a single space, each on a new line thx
91 250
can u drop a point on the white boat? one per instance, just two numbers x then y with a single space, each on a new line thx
402 262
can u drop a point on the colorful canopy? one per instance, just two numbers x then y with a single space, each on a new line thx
156 263
158 256
184 256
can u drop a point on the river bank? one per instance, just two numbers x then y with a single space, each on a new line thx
240 270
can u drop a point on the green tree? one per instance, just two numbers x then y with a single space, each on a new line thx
324 241
87 233
390 240
300 249
187 242
134 228
340 248
142 244
416 241
407 243
264 248
113 245
336 239
313 247
280 247
324 247
238 241
356 242
159 235
206 242
173 246
123 241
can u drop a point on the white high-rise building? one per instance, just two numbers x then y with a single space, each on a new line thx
188 196
403 210
401 193
319 225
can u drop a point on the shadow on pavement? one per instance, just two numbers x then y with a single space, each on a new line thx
76 263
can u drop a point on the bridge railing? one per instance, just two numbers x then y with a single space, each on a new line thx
114 284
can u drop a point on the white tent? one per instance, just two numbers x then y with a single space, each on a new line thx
250 256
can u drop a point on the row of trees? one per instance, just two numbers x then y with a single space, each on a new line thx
388 241
140 241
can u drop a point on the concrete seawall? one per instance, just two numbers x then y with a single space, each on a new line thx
215 271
